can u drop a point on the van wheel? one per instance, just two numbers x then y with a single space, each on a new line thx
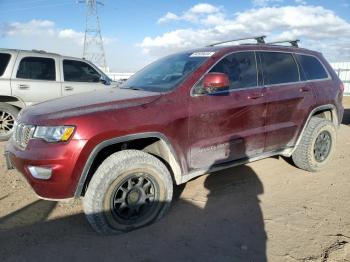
129 190
8 116
316 146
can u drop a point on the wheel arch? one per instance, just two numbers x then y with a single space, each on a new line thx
328 111
154 143
12 100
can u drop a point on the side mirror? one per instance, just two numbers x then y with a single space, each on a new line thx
105 80
216 83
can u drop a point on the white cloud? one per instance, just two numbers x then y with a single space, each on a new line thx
45 35
196 14
203 9
312 24
168 17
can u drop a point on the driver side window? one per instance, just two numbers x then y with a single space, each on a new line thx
77 71
240 68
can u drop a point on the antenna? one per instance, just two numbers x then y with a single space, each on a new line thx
259 40
293 43
93 43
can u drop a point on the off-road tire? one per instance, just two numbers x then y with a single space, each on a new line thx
115 169
11 111
304 156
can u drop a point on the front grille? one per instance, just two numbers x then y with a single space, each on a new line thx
22 133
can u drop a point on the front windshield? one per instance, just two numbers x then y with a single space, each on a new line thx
166 73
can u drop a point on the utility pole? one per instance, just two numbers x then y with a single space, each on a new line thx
93 43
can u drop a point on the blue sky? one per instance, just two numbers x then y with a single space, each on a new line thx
138 32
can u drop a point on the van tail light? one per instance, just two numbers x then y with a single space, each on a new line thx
341 87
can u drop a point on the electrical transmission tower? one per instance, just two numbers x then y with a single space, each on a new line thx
93 43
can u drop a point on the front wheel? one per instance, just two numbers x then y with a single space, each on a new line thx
8 116
129 190
317 145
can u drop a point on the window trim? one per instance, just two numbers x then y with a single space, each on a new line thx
76 60
30 79
324 67
8 62
193 94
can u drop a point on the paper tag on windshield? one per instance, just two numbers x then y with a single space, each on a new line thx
202 54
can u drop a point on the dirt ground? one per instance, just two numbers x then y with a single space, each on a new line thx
266 210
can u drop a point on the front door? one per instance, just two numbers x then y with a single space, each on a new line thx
79 77
227 127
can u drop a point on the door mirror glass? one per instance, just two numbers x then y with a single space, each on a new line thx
216 83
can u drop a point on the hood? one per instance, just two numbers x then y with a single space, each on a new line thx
90 102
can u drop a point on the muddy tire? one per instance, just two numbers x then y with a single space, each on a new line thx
317 145
8 116
129 190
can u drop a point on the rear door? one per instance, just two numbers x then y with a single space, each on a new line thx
317 75
79 76
227 127
35 78
288 99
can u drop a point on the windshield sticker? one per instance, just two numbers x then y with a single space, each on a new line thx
202 54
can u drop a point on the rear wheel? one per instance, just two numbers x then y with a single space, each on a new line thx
316 146
129 190
8 116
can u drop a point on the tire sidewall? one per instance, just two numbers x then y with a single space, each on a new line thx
100 190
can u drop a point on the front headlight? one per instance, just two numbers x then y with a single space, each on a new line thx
54 133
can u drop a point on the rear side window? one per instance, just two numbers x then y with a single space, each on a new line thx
240 68
4 60
37 68
278 68
312 67
77 71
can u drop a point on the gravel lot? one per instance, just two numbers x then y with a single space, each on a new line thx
266 210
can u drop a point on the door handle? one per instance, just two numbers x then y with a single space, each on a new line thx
22 86
304 89
256 96
68 88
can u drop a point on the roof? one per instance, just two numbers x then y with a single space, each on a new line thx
38 52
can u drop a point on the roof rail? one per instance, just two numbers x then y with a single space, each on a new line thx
39 51
259 40
293 43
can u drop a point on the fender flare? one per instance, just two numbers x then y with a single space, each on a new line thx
174 163
335 119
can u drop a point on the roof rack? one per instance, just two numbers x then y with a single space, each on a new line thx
293 43
259 40
39 51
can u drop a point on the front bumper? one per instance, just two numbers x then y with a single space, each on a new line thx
63 159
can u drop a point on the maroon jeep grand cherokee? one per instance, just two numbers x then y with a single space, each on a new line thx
182 116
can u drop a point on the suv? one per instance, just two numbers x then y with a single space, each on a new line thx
28 77
180 117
